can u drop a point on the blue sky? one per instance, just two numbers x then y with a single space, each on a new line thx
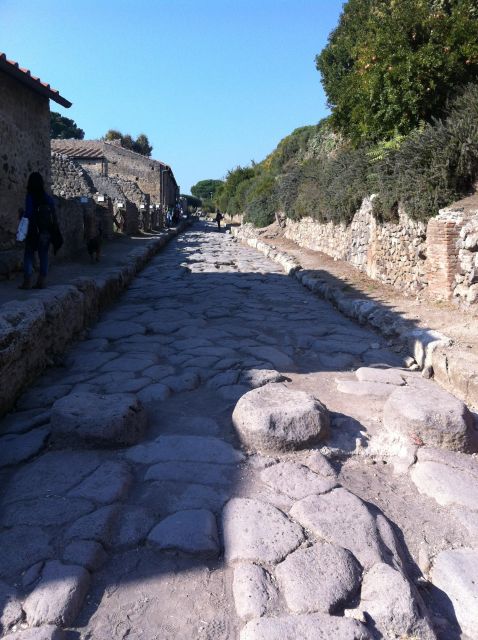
213 83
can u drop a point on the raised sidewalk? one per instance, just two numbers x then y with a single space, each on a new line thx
36 326
442 339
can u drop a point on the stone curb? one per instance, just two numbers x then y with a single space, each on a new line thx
429 348
34 331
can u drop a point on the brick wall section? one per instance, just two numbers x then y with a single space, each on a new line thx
25 147
442 256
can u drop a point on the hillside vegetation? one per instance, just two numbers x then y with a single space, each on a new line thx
401 81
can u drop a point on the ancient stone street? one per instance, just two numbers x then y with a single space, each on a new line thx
225 456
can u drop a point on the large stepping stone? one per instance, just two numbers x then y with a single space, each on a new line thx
319 578
432 417
388 600
340 517
192 531
255 531
315 626
296 480
254 592
58 597
185 448
274 418
450 478
99 420
455 572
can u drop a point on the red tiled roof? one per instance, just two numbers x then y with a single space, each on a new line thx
25 77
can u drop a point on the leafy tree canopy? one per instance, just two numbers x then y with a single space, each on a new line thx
140 145
64 128
206 189
391 64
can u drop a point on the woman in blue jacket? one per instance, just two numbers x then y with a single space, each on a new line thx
40 211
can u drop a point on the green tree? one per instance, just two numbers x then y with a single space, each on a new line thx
206 189
231 195
391 64
64 128
140 145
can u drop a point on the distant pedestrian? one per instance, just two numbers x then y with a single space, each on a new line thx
218 219
42 230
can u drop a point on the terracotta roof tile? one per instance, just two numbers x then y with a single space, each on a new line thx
24 76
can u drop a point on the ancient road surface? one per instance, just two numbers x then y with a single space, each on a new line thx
189 534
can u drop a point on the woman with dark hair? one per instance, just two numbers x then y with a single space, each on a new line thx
40 211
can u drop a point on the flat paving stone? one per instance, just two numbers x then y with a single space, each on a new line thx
388 600
10 607
384 376
277 358
153 393
356 388
197 472
455 572
253 590
296 480
191 531
59 595
255 531
117 329
23 421
134 524
320 578
449 477
109 482
54 472
97 525
185 448
39 397
315 626
18 448
85 553
45 511
26 545
341 518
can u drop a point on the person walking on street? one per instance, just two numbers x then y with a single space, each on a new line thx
218 219
42 230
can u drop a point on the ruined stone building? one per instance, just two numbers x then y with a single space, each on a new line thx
25 139
154 178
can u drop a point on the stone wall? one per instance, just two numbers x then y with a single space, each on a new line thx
25 147
392 252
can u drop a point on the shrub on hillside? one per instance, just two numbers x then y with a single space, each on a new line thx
390 64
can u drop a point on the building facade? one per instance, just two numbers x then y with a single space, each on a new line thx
25 139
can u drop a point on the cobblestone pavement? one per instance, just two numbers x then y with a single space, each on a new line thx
280 474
